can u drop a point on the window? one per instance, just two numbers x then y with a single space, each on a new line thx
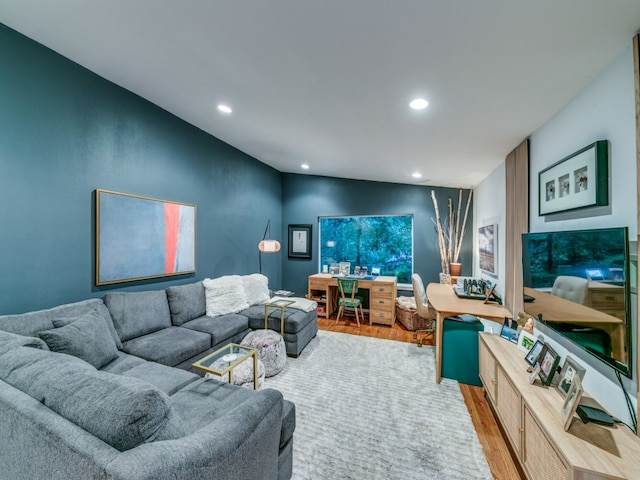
376 242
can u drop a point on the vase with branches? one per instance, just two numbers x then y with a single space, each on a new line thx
450 230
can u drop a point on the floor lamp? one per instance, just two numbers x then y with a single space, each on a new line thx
267 246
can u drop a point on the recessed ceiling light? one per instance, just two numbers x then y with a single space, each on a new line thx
304 166
416 175
224 108
419 104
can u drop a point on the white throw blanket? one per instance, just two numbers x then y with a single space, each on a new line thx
300 303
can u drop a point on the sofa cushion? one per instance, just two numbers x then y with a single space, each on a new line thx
31 323
224 295
169 346
10 340
99 312
123 412
87 338
220 328
186 302
168 379
136 314
256 288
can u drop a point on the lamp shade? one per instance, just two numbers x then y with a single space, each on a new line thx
269 246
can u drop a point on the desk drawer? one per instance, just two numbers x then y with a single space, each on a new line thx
381 316
315 284
381 290
381 303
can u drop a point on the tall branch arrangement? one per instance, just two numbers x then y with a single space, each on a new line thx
450 233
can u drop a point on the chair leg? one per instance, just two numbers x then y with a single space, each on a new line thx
357 319
339 313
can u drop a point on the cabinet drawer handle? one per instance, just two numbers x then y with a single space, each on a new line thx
494 381
610 298
520 429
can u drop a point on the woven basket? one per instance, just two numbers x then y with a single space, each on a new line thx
409 318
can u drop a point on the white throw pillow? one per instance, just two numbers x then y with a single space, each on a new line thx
224 295
256 288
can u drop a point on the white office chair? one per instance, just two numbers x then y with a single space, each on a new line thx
424 311
570 288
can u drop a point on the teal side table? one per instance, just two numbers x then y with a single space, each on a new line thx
460 349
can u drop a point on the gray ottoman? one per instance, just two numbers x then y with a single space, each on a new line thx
243 374
271 349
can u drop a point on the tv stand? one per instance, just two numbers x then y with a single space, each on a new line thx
531 418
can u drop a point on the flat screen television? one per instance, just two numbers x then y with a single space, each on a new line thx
577 283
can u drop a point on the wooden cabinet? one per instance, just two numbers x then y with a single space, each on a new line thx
531 417
323 288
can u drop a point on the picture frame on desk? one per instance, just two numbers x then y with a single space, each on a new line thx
510 330
570 371
571 402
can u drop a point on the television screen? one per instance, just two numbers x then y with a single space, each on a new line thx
576 282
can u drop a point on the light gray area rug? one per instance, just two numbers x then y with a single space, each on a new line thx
370 409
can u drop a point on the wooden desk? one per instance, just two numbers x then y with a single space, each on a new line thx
446 304
323 288
557 309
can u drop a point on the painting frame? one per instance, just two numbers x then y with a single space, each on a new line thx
300 241
570 370
526 341
534 354
580 180
139 238
488 248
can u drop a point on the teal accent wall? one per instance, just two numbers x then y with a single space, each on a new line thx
64 132
307 197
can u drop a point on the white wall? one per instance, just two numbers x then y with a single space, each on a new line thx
604 110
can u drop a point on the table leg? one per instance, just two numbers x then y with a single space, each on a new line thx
255 370
439 327
266 317
282 321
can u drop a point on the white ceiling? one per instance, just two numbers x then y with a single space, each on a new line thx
328 82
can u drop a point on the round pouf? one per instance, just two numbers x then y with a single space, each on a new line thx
243 374
271 349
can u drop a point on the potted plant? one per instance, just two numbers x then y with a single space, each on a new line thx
450 235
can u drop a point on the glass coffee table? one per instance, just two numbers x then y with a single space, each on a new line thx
225 359
281 304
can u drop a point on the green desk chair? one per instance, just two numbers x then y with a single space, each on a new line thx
348 289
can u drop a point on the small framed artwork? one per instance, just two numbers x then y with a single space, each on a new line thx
300 241
510 330
345 268
534 354
570 371
577 181
571 402
526 341
548 361
488 248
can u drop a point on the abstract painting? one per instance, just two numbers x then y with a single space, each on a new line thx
139 238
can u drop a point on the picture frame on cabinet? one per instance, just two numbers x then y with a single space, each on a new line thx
526 341
571 402
570 371
532 357
548 361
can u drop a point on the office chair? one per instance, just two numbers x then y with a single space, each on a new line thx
570 288
424 311
348 289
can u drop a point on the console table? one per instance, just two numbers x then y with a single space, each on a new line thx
531 419
323 288
446 303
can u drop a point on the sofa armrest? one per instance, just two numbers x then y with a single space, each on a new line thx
243 443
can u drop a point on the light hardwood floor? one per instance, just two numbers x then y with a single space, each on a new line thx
499 457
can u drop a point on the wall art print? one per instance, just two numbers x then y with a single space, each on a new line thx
488 248
139 238
577 181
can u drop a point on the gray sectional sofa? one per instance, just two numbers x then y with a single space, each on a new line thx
91 390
